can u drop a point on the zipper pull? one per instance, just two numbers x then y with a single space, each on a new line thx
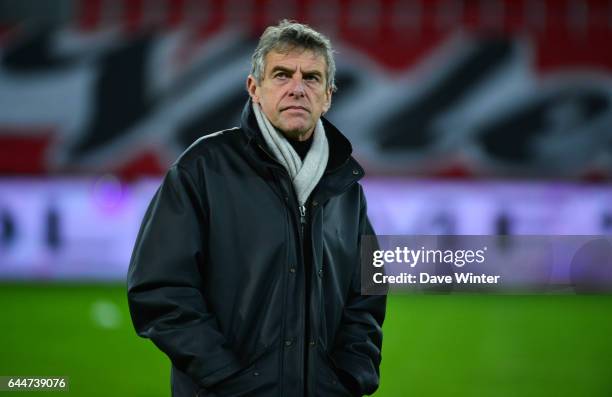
302 219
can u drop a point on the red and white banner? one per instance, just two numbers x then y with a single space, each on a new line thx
428 88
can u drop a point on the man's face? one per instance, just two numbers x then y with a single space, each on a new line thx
292 92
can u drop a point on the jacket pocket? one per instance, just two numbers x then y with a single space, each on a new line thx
327 382
259 377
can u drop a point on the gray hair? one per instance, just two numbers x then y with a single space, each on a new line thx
288 35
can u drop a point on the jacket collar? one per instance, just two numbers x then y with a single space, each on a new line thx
342 169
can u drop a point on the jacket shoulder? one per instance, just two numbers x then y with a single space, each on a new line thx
208 145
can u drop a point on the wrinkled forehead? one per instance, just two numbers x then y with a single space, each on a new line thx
290 54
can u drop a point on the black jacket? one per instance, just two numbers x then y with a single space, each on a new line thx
217 278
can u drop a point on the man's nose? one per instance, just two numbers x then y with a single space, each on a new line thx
297 87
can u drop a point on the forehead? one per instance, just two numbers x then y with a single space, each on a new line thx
296 58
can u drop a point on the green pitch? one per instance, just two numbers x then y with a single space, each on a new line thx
442 345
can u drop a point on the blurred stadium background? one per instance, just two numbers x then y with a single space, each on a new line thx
471 117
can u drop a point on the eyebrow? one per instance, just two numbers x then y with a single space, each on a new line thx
281 69
291 71
312 73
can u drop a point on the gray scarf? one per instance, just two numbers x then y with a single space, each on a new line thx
304 175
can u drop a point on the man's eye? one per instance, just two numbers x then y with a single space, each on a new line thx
281 76
311 78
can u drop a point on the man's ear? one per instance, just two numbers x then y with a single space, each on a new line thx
252 88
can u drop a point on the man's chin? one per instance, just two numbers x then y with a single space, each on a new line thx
295 132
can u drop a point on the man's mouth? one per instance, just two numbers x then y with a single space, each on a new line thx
302 108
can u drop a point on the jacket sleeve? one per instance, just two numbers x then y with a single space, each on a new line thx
164 283
357 349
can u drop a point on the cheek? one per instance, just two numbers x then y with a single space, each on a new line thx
325 104
322 101
270 107
272 97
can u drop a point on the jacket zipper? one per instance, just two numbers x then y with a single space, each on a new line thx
302 209
306 386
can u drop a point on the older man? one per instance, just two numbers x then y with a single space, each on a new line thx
246 270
